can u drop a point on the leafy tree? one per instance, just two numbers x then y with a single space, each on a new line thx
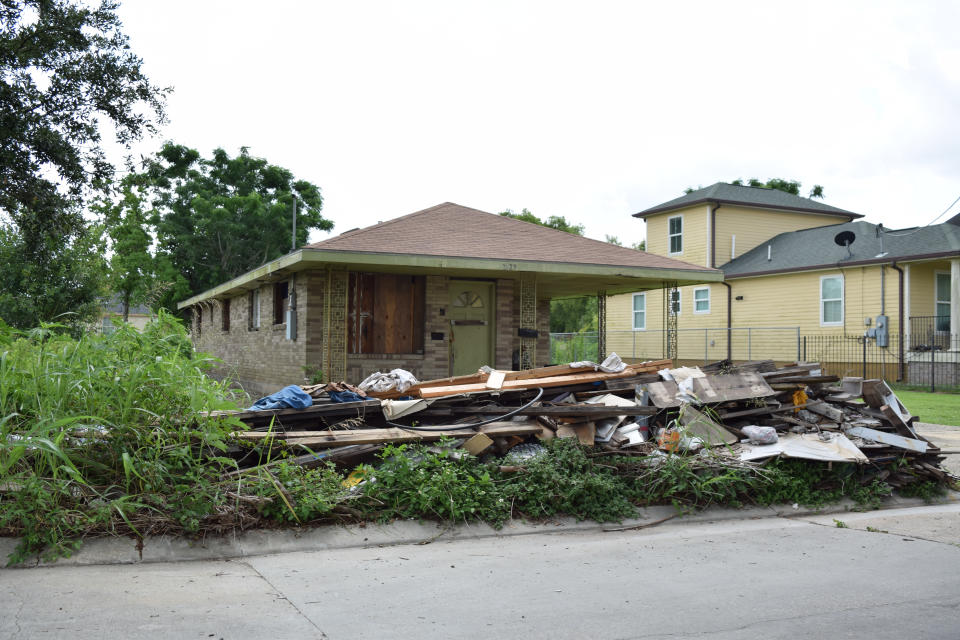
43 278
65 66
216 218
65 69
788 186
554 222
131 266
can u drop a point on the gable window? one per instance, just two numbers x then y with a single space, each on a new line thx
675 234
385 313
281 291
225 311
675 302
253 317
942 304
831 301
639 311
701 300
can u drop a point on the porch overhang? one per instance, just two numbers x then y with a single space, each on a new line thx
554 279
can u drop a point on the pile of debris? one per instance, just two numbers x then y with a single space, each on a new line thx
747 412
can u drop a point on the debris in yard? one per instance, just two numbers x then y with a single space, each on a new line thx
735 413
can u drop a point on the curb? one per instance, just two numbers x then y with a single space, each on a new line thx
107 551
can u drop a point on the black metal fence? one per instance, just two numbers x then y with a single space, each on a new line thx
927 359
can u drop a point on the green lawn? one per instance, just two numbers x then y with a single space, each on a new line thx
936 408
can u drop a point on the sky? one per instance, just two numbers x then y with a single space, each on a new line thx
589 110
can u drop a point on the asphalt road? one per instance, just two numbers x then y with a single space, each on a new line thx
766 578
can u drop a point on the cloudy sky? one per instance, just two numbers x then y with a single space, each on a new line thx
590 110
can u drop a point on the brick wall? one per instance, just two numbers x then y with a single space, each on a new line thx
261 360
436 359
506 328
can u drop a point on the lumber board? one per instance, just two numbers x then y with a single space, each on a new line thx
390 434
555 381
315 411
558 411
479 379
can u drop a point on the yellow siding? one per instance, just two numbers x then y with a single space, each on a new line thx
922 291
753 227
772 308
694 234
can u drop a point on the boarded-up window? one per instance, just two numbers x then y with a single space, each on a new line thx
280 292
386 313
225 310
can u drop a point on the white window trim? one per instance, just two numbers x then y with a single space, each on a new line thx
633 312
936 300
707 289
842 305
679 300
670 235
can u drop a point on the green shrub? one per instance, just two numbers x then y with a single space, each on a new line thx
116 419
413 482
565 481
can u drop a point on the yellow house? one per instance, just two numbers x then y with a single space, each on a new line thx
798 275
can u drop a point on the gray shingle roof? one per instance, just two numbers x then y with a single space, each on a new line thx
815 248
749 196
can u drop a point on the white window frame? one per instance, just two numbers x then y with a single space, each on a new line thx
670 236
937 301
679 300
839 323
707 310
634 312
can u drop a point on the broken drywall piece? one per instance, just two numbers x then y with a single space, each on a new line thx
809 446
700 425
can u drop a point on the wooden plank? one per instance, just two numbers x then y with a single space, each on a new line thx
713 389
558 411
891 439
312 412
556 381
392 434
825 409
586 433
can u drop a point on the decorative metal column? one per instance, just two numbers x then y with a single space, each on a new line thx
528 319
334 359
669 320
601 325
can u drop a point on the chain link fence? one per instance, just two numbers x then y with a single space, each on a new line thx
693 345
929 359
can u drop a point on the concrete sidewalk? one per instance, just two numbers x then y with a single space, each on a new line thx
265 542
768 578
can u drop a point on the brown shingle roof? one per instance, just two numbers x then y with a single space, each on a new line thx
451 230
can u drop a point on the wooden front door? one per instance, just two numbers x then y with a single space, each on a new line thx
471 326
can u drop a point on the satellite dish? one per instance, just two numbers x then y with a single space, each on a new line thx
845 238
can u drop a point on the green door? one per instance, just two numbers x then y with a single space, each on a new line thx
471 326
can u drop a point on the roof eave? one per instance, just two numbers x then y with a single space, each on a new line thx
840 213
841 265
311 258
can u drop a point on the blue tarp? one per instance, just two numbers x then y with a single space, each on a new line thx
292 397
345 396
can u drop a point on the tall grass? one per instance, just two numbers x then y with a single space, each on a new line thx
106 429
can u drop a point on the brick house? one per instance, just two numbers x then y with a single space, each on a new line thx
438 292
